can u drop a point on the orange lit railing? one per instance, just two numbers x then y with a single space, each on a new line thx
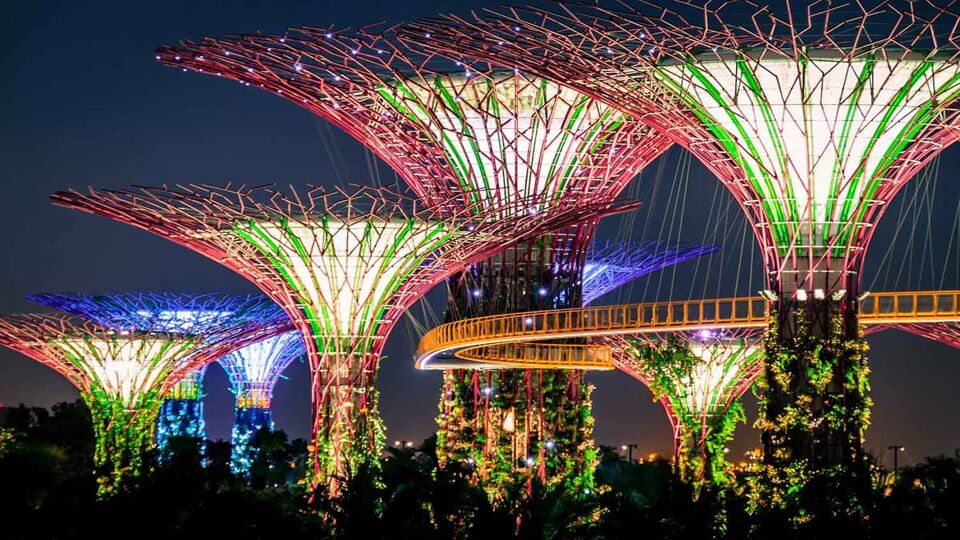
504 340
910 307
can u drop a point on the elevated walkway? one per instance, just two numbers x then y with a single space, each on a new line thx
513 341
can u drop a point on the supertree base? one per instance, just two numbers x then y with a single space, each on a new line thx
246 424
508 429
180 418
124 440
349 435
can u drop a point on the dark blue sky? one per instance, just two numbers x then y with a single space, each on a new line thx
82 102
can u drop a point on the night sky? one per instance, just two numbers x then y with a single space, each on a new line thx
83 102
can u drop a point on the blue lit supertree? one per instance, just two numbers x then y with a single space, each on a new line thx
181 413
253 372
611 264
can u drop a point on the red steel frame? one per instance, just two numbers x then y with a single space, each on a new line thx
602 52
202 218
350 79
342 78
124 431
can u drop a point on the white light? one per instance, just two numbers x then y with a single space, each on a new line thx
528 321
476 293
828 158
818 294
542 291
530 461
253 371
802 295
487 391
504 117
549 445
297 67
350 270
126 368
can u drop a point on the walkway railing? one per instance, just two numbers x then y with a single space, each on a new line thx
506 339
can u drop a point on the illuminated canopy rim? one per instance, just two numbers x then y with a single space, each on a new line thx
811 166
124 367
497 135
253 371
610 265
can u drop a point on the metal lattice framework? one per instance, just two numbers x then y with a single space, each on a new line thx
611 265
181 413
699 378
453 134
813 118
121 375
253 372
343 266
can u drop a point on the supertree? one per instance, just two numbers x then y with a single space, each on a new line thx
181 413
253 372
813 119
699 378
121 375
610 264
455 135
343 266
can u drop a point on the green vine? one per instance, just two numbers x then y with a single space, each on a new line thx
124 437
703 435
813 407
503 439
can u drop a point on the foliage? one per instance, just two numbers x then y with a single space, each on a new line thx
813 407
405 496
506 429
703 435
124 439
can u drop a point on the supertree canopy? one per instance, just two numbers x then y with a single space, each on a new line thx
699 377
344 267
610 265
121 375
253 372
485 139
181 414
814 119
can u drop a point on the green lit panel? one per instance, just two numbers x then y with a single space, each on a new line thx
813 137
511 137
